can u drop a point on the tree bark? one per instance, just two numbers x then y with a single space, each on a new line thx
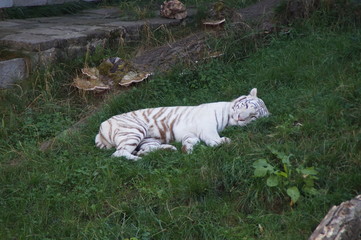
342 222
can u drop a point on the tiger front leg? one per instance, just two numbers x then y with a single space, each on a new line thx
216 140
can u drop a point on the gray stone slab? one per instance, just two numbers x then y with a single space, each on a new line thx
69 38
156 22
74 28
8 24
28 42
45 58
55 2
104 12
11 71
70 20
24 3
23 22
53 20
44 31
160 21
123 24
6 3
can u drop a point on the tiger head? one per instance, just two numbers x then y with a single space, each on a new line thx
247 108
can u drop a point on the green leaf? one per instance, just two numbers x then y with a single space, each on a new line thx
282 174
294 193
273 151
309 182
260 172
272 181
280 155
260 163
286 159
310 190
262 167
308 171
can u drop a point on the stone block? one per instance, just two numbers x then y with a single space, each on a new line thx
9 24
45 58
11 71
6 3
24 3
50 2
27 41
76 51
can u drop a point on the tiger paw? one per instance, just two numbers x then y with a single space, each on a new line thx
168 147
187 149
226 140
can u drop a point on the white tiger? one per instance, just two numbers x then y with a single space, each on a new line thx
142 131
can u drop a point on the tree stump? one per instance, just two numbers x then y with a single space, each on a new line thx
342 222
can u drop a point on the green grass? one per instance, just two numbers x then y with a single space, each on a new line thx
76 191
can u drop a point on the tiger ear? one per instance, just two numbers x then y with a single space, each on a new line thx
253 92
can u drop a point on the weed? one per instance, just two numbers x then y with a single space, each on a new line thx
137 10
288 178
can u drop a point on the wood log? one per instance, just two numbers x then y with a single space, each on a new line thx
342 222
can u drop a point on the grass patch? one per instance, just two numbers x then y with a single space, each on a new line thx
312 79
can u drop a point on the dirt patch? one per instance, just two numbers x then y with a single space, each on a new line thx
185 50
7 55
261 11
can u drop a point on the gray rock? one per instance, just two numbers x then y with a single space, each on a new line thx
75 51
28 41
12 70
45 58
55 2
20 3
6 3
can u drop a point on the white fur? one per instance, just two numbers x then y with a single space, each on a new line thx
142 131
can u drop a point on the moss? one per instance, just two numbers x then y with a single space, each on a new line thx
7 54
104 68
114 71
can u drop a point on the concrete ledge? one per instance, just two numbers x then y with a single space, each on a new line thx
29 3
6 3
26 3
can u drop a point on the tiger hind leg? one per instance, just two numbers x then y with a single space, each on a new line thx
101 142
126 144
148 145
